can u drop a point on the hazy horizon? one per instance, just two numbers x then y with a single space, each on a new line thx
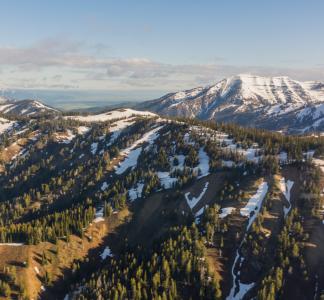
143 49
82 99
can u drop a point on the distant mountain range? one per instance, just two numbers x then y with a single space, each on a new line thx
275 103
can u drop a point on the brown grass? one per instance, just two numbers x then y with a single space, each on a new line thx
214 263
76 248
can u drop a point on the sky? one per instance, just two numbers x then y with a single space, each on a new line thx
143 48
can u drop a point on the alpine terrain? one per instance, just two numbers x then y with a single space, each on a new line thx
128 204
110 190
275 103
26 108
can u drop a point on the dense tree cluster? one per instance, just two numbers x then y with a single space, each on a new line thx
173 269
288 260
50 227
45 196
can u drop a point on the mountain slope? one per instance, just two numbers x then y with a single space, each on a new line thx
276 103
26 108
127 205
112 115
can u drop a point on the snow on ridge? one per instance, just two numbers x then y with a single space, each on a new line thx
187 94
64 138
132 154
270 96
275 90
316 93
38 104
129 161
6 125
112 115
83 130
25 107
4 108
117 127
149 137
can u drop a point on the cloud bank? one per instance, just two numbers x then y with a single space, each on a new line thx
64 64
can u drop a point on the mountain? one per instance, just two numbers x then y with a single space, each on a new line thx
276 103
128 205
110 115
26 108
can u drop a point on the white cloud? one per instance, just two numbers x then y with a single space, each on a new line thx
69 64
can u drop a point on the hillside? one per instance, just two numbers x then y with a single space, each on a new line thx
28 108
130 205
275 103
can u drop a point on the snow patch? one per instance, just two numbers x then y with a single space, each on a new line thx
225 211
136 192
132 155
319 163
99 215
112 115
254 204
83 130
94 148
228 163
116 128
65 138
203 165
12 244
106 253
6 125
195 200
285 188
104 186
166 180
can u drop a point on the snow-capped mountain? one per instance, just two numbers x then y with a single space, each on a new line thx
277 103
25 108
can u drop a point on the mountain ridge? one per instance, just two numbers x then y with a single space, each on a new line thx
27 107
276 103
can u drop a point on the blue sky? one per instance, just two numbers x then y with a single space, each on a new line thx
156 45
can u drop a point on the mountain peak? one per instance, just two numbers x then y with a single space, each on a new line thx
27 107
253 100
